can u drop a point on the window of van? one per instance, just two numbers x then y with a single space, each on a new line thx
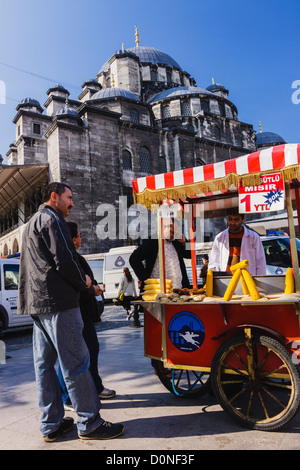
11 276
278 253
96 266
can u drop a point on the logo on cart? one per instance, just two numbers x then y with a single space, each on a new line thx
186 332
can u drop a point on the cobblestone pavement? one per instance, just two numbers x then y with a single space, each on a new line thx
112 317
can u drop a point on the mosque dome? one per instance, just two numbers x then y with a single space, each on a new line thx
147 55
58 88
112 92
216 87
179 91
268 139
66 112
29 103
150 55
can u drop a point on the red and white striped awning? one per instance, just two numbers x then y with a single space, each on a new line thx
218 177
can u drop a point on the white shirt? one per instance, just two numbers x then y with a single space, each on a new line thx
172 266
251 249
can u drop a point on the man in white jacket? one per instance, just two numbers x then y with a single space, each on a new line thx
235 244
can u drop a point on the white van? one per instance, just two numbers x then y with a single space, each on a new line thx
114 263
9 279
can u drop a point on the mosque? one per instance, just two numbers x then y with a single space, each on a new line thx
142 114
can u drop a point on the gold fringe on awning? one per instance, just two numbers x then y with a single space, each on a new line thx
148 197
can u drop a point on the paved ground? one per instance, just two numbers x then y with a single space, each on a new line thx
155 420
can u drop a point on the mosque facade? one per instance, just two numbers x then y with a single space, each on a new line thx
142 114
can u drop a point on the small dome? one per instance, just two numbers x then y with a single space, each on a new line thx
108 93
216 87
66 111
91 81
29 103
179 91
59 88
264 139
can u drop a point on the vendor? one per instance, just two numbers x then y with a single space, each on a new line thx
237 243
145 260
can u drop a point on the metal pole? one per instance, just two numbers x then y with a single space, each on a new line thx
294 252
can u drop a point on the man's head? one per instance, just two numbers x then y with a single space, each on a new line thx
168 230
235 221
59 196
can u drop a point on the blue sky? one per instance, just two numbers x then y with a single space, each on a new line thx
251 47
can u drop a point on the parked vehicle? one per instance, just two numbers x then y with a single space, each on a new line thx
9 279
114 262
278 253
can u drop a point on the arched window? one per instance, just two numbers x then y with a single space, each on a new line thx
134 116
238 140
15 246
162 165
204 106
217 133
145 160
153 75
127 160
5 251
228 136
166 111
222 109
186 108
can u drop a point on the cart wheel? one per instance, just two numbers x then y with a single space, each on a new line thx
181 382
256 381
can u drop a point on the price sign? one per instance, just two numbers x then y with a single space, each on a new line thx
266 197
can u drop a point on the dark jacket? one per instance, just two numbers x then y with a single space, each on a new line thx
50 274
142 260
87 300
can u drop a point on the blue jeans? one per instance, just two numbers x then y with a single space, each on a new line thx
59 336
91 340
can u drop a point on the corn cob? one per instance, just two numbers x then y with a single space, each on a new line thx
157 281
289 286
232 285
251 285
240 265
149 298
209 283
156 291
244 285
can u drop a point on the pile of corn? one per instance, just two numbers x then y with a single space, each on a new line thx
152 288
240 272
153 292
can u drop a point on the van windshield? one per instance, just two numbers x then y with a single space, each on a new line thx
11 276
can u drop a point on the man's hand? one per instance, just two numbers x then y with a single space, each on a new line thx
98 290
88 281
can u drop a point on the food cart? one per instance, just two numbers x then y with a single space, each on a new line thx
242 343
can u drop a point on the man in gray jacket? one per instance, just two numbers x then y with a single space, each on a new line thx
49 285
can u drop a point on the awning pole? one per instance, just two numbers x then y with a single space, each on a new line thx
193 246
294 252
161 254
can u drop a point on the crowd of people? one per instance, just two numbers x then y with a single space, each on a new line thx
57 287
